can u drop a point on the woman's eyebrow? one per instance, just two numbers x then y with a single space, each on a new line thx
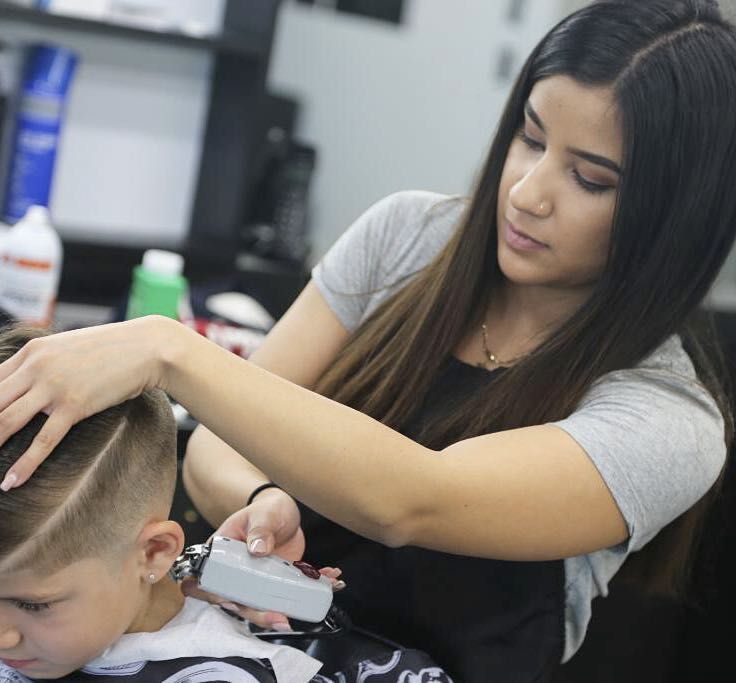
529 110
588 156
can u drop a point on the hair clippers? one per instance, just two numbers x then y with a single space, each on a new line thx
224 566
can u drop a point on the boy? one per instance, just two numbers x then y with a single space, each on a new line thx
85 549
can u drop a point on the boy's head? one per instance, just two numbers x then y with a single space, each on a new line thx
82 542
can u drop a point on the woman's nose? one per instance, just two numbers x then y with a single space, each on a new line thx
530 194
9 637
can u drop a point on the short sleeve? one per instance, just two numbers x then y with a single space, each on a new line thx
657 438
392 240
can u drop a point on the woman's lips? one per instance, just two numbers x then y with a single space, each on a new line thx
520 241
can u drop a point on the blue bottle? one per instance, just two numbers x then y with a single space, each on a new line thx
48 73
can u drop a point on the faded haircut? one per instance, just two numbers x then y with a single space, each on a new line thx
90 497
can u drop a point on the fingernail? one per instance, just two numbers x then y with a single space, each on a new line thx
256 545
9 481
281 626
338 586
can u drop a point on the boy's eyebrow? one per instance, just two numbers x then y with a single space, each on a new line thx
35 597
588 156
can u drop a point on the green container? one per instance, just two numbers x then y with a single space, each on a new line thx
157 287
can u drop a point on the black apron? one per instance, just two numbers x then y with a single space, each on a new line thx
481 620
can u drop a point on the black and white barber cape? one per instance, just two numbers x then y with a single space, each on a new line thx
186 670
401 666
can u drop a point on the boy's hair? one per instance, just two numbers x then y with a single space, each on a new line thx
92 493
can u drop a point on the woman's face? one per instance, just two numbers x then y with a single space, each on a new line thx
558 187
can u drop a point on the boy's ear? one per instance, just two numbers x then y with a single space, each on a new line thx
160 544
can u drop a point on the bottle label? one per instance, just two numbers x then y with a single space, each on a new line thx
47 75
28 289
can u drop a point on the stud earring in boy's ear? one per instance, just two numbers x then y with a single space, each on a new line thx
151 578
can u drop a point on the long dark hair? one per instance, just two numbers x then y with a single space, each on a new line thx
672 67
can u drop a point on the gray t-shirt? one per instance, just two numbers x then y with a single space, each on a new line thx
654 433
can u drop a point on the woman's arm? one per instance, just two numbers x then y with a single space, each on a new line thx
522 494
299 348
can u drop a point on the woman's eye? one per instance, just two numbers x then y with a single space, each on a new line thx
32 606
531 143
588 186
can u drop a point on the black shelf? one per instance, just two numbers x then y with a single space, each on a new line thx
240 43
99 274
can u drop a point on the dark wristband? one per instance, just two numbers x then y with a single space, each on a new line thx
258 489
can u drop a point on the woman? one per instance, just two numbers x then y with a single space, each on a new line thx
523 413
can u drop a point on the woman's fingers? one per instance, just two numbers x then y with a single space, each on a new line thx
71 375
333 574
269 620
22 409
12 385
48 437
234 526
190 587
260 540
13 417
269 525
255 530
9 366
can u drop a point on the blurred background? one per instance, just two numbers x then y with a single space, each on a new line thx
390 95
248 134
244 136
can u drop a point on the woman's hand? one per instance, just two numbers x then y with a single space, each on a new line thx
269 525
72 375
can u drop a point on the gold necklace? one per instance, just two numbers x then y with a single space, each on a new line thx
491 358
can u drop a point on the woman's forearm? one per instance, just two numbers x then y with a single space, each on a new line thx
302 441
218 478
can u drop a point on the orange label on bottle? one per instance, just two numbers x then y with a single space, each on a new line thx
29 263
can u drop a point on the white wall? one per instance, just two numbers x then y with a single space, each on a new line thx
392 108
129 157
388 108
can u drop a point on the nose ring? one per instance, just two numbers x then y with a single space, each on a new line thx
543 208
